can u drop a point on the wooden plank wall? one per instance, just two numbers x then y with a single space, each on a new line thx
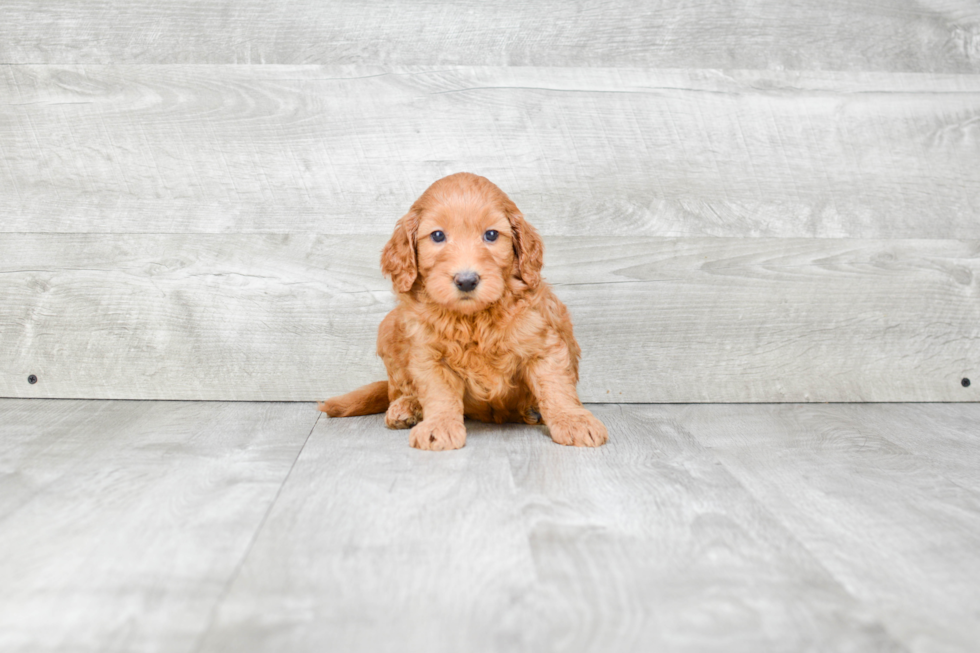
769 201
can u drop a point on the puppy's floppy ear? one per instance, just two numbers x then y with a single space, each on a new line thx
398 259
527 247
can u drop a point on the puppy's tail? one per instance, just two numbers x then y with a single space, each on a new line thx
366 400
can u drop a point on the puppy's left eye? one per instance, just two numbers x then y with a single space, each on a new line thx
490 235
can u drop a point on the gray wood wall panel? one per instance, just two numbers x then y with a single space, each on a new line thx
900 35
346 150
294 317
271 146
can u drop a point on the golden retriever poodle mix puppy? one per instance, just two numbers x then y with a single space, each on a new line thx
476 332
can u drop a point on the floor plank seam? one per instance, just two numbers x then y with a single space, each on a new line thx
869 607
248 549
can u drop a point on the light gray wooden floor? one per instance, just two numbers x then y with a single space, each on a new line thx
195 526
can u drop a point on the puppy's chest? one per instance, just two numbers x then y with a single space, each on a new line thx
489 368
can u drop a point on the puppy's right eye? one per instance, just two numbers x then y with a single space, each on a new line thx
438 236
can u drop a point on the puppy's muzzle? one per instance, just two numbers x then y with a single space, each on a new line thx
466 281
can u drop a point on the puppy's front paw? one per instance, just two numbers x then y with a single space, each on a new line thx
438 434
403 413
578 429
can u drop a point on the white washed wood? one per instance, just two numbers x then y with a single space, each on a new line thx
931 36
948 441
706 567
375 546
582 151
885 521
294 317
131 517
41 441
818 533
217 316
517 544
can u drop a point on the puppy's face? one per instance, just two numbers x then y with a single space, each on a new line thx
462 245
465 253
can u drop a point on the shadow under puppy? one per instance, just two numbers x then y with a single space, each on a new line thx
476 331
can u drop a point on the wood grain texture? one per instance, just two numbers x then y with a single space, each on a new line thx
903 35
945 440
122 522
195 526
517 544
345 150
888 523
386 549
709 568
294 317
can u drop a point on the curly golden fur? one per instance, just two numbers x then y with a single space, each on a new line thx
476 332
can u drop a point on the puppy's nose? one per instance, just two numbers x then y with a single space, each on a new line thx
466 281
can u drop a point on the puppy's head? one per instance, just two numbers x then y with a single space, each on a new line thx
461 244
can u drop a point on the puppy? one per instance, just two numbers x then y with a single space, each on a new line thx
476 332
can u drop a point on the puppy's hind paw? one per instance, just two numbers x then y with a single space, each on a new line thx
578 429
532 416
403 413
438 434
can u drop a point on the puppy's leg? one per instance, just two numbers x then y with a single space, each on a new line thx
441 395
403 413
553 383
